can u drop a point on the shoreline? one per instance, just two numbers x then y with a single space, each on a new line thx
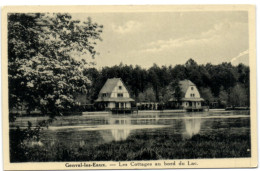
139 112
152 111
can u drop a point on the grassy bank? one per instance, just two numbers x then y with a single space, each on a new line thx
218 144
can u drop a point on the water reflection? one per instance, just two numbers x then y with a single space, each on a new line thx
192 125
121 128
97 130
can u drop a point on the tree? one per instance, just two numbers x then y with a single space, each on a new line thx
141 97
96 83
207 95
176 89
223 97
191 63
222 75
243 78
215 80
42 71
154 77
165 95
147 96
238 96
179 72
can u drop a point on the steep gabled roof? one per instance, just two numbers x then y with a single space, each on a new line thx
184 85
109 85
108 88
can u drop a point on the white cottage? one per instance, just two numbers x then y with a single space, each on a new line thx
114 94
190 95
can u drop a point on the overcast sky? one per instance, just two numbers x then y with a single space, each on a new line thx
170 38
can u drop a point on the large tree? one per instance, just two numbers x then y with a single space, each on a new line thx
238 96
147 96
43 71
207 95
223 97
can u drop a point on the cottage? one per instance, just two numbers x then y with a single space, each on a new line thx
190 99
114 95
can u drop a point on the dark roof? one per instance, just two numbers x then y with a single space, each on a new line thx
108 88
184 85
110 85
117 99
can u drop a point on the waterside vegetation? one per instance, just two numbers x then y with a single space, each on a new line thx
216 144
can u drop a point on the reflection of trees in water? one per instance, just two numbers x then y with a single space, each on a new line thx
192 125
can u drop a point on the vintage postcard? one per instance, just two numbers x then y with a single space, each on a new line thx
129 87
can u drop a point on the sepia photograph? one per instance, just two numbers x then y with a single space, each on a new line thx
129 85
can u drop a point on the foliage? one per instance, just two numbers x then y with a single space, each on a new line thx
207 95
223 97
165 95
177 93
214 81
143 146
147 96
43 72
22 139
238 96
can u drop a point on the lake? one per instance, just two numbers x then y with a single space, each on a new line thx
147 136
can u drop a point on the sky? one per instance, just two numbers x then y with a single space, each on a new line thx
170 38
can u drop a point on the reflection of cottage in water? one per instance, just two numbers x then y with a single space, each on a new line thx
192 126
120 129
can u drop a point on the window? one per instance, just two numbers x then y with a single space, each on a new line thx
104 95
119 94
190 95
120 87
191 88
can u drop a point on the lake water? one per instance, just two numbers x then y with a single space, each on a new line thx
94 130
